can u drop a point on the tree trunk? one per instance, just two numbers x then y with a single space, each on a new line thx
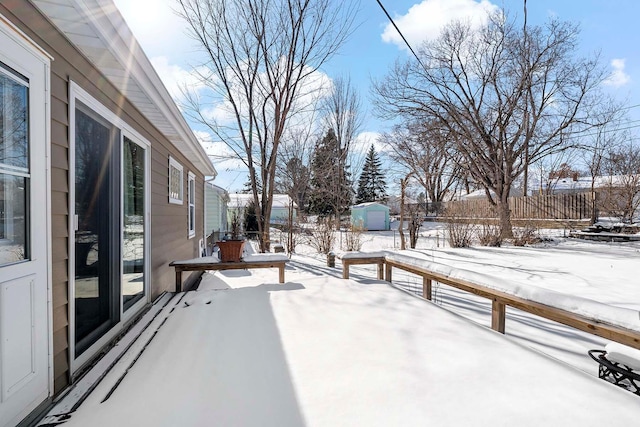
403 187
504 215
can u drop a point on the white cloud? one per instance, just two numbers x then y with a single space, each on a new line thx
364 140
158 29
360 146
425 20
618 76
176 78
223 158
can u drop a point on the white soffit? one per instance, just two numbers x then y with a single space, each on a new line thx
99 31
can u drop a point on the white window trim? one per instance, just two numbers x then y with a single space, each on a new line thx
77 93
174 163
191 203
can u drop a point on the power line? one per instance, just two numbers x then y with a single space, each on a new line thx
400 32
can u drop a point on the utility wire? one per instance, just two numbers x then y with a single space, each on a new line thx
400 32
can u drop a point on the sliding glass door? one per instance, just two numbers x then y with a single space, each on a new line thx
110 209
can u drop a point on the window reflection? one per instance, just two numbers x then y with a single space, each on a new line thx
14 167
133 243
97 272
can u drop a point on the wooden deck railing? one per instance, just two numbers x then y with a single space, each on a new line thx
500 300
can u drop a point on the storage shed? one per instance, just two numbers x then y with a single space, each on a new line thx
371 216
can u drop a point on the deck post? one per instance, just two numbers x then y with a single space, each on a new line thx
426 288
281 273
345 269
381 270
387 272
498 312
178 280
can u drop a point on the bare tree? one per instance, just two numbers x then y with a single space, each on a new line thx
594 149
622 191
333 154
426 150
343 113
261 69
293 169
553 169
502 96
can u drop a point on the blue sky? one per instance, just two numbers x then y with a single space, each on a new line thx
608 27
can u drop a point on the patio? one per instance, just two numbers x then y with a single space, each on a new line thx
322 351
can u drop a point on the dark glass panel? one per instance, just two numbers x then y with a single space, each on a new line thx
134 216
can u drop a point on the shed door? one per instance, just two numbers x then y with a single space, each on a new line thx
24 330
376 220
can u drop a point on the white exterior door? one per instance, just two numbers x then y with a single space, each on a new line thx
24 233
376 220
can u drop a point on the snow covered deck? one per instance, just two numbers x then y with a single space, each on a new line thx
323 351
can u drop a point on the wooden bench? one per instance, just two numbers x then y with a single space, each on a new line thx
355 258
213 263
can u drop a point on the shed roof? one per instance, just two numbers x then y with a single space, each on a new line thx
368 204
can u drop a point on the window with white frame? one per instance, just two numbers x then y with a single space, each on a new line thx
192 203
175 181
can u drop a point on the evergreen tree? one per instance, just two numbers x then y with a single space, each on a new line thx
371 185
330 184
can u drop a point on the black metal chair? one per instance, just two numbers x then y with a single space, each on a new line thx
616 373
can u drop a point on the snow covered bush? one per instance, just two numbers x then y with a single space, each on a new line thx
322 236
353 239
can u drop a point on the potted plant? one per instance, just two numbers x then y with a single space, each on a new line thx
231 247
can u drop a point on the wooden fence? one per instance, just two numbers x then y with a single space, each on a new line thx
559 206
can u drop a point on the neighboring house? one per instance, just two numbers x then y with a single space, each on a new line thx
481 194
216 200
616 195
370 216
101 187
393 202
581 184
279 211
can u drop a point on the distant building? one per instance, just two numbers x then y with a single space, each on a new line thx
279 210
580 184
216 200
371 216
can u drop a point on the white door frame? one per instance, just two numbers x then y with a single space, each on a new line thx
76 92
22 54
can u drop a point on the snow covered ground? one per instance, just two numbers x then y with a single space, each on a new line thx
607 273
323 351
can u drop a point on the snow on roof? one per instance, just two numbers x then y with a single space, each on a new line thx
583 182
238 200
322 351
476 194
367 204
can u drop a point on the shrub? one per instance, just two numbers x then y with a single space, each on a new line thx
322 236
459 229
353 239
489 235
527 235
